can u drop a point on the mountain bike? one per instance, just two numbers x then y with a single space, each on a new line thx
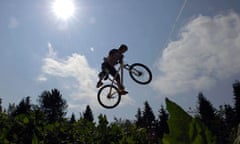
109 95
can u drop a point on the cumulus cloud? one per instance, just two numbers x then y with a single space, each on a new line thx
74 71
207 51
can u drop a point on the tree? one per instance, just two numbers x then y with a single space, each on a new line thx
213 120
11 108
73 119
139 121
88 115
206 111
162 126
53 105
148 116
237 139
0 105
149 122
236 93
228 120
24 107
103 130
229 114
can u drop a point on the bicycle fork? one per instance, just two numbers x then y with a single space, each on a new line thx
110 93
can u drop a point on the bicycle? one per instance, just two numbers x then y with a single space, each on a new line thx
109 95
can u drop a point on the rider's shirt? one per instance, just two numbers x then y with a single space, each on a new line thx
114 57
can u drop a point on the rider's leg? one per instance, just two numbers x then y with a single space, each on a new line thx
102 75
120 86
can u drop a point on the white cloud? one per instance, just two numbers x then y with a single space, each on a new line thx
42 78
207 51
75 67
51 51
13 23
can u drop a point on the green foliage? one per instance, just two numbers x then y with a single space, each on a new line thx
185 129
23 107
130 134
237 140
214 119
179 124
155 128
46 124
53 105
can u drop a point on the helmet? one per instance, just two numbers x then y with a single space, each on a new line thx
123 47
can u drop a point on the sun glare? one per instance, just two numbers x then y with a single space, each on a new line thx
63 9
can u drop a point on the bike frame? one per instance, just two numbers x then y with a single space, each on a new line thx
121 70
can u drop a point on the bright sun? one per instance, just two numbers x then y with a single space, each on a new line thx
63 9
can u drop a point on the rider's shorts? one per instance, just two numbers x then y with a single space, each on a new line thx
108 69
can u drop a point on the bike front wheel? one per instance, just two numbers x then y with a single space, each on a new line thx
140 73
108 96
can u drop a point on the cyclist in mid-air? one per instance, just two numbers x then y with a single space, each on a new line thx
115 56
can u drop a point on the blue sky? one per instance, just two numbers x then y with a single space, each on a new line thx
191 46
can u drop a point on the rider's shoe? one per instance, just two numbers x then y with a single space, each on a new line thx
99 84
123 92
106 77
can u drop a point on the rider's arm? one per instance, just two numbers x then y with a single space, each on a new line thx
121 59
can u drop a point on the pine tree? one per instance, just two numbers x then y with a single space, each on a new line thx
103 129
206 111
149 122
53 105
148 116
162 123
24 107
229 114
139 117
88 115
72 120
209 117
0 105
11 108
236 93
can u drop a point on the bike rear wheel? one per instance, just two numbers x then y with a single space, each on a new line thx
140 73
108 96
